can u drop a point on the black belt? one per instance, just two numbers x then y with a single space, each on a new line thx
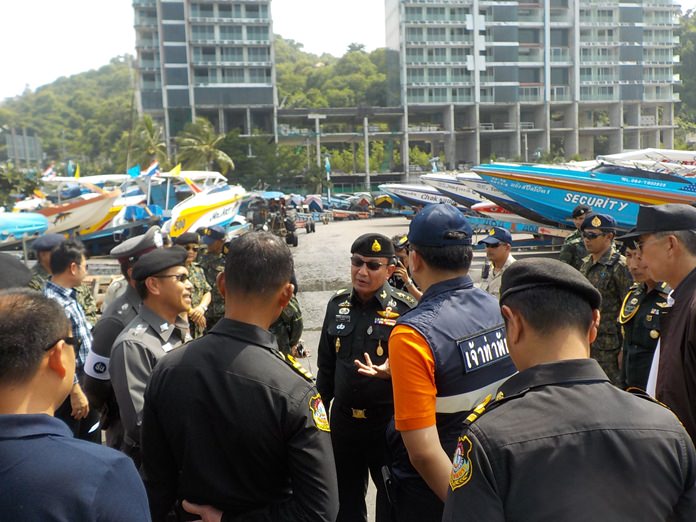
376 412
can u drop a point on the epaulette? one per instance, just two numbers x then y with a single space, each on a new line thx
489 404
630 304
405 297
342 291
297 367
639 392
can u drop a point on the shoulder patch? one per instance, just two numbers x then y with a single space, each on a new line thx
462 468
296 366
319 416
341 291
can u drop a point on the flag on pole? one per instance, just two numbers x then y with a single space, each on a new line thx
134 172
77 171
194 188
176 171
49 172
152 169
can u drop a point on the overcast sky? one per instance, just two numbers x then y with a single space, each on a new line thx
42 40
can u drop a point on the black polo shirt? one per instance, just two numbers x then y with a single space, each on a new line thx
230 423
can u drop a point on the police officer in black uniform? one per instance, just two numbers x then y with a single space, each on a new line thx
356 327
559 441
639 318
114 319
230 421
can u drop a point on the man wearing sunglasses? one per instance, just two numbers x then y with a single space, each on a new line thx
116 316
201 293
161 279
46 473
356 328
606 269
498 244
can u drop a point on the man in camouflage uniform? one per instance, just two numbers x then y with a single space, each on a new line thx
200 295
606 269
41 273
212 261
573 250
640 320
288 328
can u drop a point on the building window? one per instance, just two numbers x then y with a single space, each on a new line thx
258 54
229 11
232 54
233 75
437 34
202 11
437 75
438 54
415 76
257 75
230 32
257 33
203 32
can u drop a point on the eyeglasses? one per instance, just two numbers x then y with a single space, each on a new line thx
191 248
592 235
371 265
182 278
72 341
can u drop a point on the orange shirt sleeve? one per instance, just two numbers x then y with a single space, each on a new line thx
413 379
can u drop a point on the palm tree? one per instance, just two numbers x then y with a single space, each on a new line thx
149 143
199 147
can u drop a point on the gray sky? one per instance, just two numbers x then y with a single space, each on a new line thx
42 40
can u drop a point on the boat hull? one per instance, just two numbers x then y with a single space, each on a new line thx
554 193
214 206
15 226
80 213
415 195
451 187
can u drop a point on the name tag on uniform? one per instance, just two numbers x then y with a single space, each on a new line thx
483 349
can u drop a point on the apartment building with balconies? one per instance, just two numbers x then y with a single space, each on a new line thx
511 79
209 58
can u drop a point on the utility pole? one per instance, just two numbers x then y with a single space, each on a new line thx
367 155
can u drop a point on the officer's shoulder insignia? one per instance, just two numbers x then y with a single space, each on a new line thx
403 296
316 406
383 294
663 288
341 292
478 410
462 468
630 305
292 362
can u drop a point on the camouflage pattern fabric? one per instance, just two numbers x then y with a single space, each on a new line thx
200 288
611 277
288 327
573 250
212 265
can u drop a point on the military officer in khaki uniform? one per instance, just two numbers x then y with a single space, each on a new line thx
606 269
356 328
201 293
573 250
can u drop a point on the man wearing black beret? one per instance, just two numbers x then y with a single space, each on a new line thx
606 269
161 279
665 236
356 328
121 311
560 417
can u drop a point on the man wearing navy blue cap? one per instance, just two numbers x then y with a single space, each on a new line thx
606 269
498 247
446 356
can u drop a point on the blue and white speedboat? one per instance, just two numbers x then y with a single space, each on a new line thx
450 186
617 185
16 226
414 195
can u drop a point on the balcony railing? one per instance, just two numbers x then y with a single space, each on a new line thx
560 54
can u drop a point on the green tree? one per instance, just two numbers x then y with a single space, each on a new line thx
200 147
15 182
148 143
687 54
